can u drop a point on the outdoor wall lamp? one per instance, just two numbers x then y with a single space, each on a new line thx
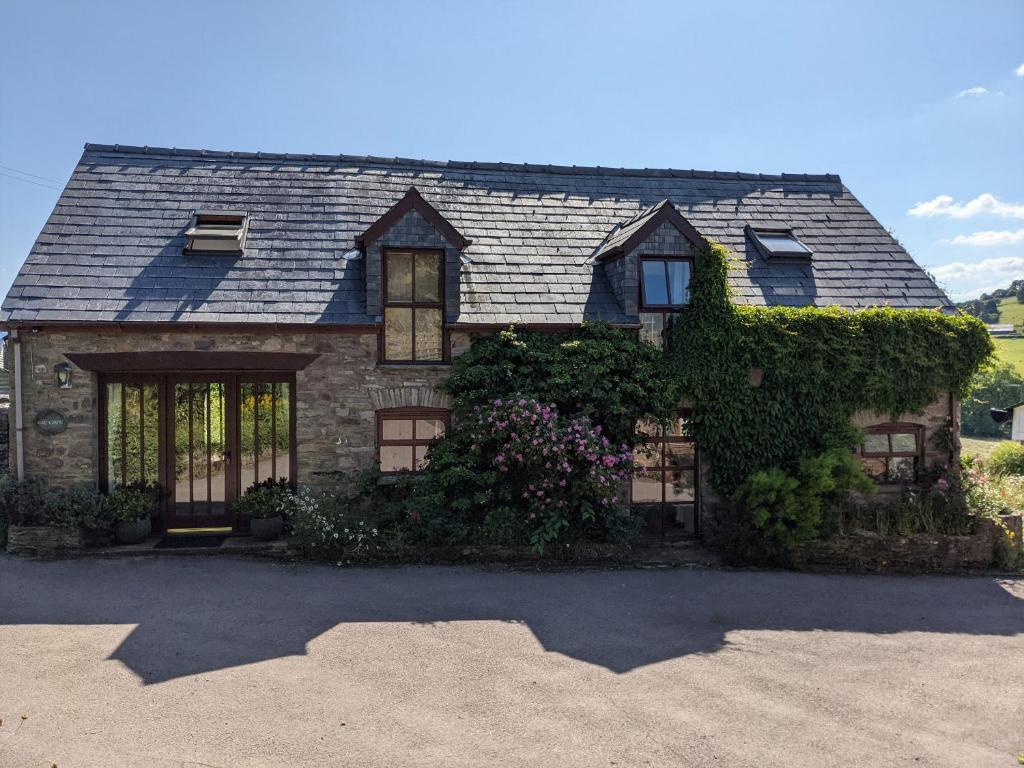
62 372
756 376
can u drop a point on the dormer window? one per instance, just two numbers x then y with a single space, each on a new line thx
778 243
218 232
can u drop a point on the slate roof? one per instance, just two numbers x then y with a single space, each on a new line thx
111 250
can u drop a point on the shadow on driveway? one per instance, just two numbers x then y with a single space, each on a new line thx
197 615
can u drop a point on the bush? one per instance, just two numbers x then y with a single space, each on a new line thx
77 507
28 503
511 469
266 499
603 373
327 528
787 507
996 386
1006 459
23 502
131 503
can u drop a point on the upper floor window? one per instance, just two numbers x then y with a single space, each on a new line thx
664 283
413 306
891 452
405 434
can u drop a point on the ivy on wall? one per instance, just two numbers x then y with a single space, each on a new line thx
820 367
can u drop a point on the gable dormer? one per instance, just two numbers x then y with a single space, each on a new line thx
648 261
413 260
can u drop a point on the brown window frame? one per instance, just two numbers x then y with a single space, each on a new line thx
414 305
665 309
889 430
406 414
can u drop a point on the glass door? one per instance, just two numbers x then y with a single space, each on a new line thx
201 438
200 471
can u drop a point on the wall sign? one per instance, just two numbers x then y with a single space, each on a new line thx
51 422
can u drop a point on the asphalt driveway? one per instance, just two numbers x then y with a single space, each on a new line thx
216 662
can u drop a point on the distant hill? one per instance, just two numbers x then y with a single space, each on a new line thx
1005 305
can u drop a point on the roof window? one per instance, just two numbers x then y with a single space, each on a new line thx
217 232
778 243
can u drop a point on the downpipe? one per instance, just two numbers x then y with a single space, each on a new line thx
19 420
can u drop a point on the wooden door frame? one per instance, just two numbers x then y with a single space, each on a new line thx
165 381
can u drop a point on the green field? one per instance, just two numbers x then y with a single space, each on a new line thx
979 446
1011 311
1012 351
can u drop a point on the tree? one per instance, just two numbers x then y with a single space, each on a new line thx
994 387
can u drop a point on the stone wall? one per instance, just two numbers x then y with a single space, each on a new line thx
932 552
336 396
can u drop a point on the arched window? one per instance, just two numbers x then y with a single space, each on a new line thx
404 434
892 452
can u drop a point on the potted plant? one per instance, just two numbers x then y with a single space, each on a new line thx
130 506
266 504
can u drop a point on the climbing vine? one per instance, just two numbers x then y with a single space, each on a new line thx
820 366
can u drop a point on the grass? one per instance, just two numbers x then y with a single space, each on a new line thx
1011 311
1011 351
981 447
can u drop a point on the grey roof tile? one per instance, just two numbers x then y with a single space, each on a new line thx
111 250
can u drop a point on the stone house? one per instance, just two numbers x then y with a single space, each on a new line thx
203 320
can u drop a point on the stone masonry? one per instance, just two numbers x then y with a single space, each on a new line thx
336 396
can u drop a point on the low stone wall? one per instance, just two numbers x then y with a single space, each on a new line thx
866 551
43 541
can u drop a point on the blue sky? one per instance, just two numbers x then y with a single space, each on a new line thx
918 105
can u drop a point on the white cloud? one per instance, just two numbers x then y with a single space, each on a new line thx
1020 71
989 237
975 91
968 280
985 203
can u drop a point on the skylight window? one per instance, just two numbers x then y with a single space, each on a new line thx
778 243
217 232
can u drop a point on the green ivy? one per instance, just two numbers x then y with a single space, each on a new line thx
820 367
595 371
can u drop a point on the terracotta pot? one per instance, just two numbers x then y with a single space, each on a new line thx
133 532
266 528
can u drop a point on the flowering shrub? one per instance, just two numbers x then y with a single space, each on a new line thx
326 530
559 474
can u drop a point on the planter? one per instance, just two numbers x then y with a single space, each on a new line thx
133 531
43 540
266 528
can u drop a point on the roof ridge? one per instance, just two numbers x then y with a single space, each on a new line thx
578 170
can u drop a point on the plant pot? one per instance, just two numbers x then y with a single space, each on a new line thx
133 531
266 528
